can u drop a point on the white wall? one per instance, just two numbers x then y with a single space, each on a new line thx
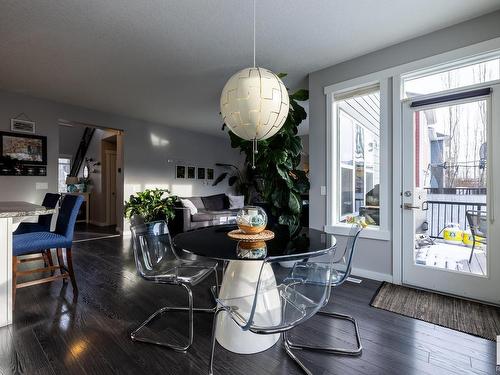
148 147
375 256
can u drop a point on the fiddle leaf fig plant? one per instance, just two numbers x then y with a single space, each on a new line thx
241 179
151 205
276 165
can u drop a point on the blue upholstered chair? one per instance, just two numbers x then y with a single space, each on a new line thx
36 242
43 224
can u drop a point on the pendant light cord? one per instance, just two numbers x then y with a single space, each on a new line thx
254 141
254 33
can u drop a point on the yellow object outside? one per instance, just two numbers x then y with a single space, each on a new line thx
468 239
453 235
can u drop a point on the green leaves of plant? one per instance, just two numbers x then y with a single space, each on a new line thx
294 203
292 221
294 145
151 204
231 181
283 173
300 95
301 182
219 178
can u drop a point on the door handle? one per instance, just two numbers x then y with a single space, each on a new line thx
409 206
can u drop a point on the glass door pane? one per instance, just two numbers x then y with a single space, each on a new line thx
450 187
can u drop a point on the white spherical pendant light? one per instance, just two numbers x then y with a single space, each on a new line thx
254 103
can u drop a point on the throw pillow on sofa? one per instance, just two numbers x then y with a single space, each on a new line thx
216 202
236 201
188 204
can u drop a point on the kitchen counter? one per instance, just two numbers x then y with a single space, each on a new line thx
8 211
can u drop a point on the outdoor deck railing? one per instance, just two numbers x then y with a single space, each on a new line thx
440 213
457 191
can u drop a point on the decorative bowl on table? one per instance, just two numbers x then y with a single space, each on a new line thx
251 249
251 219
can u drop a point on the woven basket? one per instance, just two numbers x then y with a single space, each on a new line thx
238 234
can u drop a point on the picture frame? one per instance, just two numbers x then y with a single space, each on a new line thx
210 173
22 126
24 149
201 173
191 172
180 171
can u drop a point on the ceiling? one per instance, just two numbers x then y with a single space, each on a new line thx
166 61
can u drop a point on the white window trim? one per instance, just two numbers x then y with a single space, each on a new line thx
332 226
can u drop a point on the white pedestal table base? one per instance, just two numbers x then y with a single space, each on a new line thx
240 280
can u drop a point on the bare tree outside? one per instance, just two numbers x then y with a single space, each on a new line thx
452 143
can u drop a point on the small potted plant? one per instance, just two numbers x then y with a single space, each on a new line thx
150 205
86 184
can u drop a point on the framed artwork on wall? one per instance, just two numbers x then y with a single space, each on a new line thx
180 171
22 126
191 172
23 148
201 173
210 173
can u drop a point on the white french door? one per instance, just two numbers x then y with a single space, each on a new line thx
451 174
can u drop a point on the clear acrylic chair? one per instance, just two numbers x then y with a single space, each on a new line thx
157 261
290 289
342 270
478 224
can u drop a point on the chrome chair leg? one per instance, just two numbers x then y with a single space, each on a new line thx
332 350
214 289
212 350
217 286
293 356
190 309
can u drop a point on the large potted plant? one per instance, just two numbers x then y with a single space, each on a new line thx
242 180
150 205
276 165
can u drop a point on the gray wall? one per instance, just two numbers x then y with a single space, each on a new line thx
374 255
151 150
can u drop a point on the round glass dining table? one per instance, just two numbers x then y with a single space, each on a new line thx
244 264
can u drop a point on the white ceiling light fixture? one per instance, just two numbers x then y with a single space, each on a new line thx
254 103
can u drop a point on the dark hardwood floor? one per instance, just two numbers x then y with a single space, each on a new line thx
86 232
52 334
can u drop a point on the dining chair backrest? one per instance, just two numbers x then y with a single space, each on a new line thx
287 295
478 222
153 250
68 213
346 256
49 201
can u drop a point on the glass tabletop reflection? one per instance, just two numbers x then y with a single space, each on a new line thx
214 243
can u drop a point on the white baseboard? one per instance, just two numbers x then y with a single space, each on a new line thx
378 276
